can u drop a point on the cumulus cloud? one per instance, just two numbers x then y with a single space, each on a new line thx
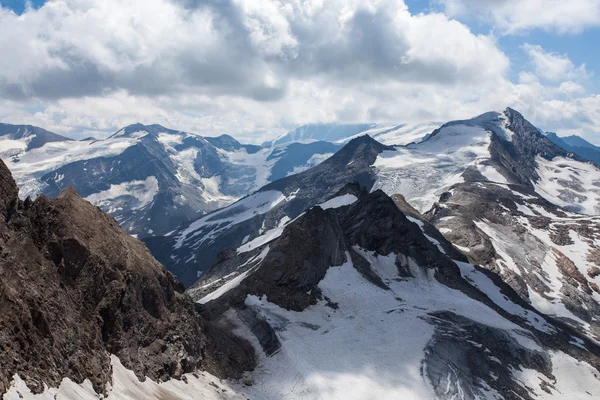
553 66
516 16
254 68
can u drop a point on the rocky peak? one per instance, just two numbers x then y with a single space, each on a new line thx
76 289
9 192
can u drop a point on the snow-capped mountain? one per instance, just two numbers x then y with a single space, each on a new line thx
486 289
402 134
499 147
355 300
193 247
151 179
577 145
15 139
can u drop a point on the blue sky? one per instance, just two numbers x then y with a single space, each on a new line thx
255 68
18 6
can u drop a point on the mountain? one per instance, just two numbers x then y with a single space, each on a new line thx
499 147
194 246
354 299
79 296
152 179
577 145
342 133
321 132
17 138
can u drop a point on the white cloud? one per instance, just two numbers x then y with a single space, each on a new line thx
253 68
516 16
552 66
205 64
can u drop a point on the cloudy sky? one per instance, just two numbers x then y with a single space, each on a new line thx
255 68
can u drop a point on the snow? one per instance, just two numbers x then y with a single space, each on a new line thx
12 146
266 237
248 207
338 354
422 172
233 283
126 386
398 134
574 380
485 284
36 162
491 174
143 191
525 210
583 195
340 201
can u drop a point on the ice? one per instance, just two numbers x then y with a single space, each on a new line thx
569 183
144 191
248 207
340 201
422 172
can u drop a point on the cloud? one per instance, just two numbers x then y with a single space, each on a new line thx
254 68
553 66
248 48
517 16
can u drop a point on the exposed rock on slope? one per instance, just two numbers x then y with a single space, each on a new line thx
75 288
192 248
541 251
26 137
151 178
355 300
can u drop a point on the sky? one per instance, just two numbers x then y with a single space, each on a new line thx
257 68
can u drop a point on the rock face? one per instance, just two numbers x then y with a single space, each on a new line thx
148 177
193 247
75 289
357 286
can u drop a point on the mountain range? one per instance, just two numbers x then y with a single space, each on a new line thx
577 145
436 261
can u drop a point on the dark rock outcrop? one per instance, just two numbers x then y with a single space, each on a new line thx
353 163
75 288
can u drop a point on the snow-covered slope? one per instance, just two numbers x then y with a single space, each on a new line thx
194 246
398 135
497 147
150 178
15 139
549 257
339 133
356 302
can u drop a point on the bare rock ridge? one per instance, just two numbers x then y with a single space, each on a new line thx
75 289
352 163
463 359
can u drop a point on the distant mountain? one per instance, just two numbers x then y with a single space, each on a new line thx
17 138
577 145
194 246
325 132
498 147
151 178
342 133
